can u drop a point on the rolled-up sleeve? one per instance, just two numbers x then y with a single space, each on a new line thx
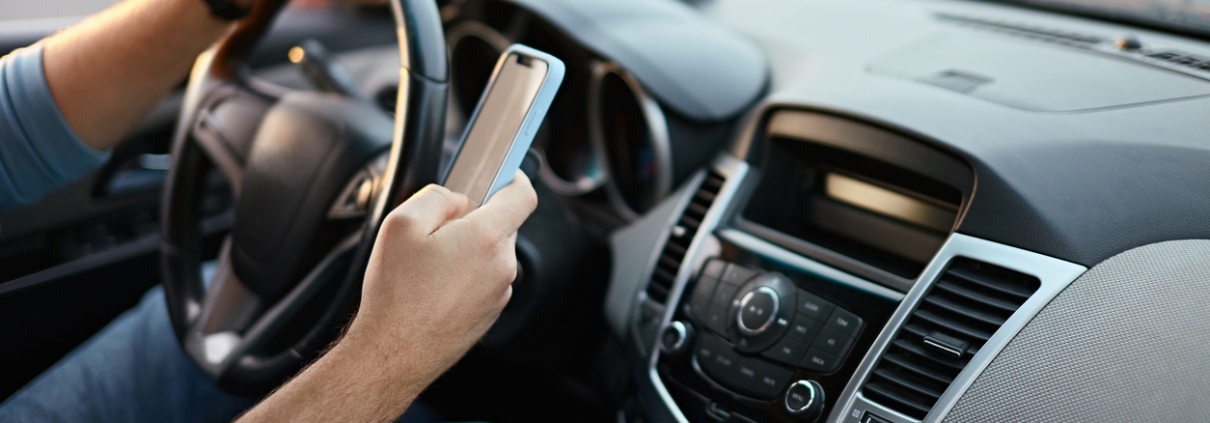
39 153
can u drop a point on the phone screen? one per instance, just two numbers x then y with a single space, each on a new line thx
490 134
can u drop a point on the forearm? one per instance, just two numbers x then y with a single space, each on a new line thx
108 71
359 380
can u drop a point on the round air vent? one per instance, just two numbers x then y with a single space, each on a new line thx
474 49
630 132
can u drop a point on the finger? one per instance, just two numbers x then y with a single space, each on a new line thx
509 207
428 210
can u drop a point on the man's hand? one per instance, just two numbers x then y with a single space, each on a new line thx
435 283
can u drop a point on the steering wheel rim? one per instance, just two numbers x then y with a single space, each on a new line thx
224 329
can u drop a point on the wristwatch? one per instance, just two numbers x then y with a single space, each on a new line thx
227 9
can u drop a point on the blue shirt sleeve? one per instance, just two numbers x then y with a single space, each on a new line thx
39 153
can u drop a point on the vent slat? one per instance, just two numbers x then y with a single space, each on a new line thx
919 352
970 294
965 310
908 384
689 223
696 209
1012 290
919 369
675 249
669 262
969 302
677 246
963 329
905 405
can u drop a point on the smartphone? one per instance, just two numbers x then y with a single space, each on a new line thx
503 125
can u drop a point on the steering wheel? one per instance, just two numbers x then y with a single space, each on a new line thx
313 175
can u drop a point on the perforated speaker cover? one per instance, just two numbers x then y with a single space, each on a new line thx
1127 341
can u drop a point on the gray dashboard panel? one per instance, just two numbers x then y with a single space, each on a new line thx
1127 341
672 50
1031 75
1079 186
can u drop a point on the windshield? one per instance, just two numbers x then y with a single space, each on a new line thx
1174 15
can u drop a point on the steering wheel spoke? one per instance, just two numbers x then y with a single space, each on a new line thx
234 321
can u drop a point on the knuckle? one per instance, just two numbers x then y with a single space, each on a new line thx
505 270
398 222
531 200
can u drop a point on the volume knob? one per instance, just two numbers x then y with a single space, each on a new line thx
757 309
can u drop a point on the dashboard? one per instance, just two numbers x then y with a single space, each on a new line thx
921 220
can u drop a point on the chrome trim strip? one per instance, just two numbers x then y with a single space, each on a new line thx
1054 274
776 253
734 170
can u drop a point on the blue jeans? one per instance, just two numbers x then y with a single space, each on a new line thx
132 371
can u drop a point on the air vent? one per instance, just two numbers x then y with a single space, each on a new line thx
1181 58
680 236
1028 31
963 309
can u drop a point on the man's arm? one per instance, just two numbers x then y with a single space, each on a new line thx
434 285
110 70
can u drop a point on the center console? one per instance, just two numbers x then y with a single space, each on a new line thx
814 273
761 338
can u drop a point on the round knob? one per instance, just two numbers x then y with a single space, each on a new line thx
757 310
804 399
674 339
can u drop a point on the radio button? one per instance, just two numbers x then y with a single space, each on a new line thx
813 306
845 321
787 351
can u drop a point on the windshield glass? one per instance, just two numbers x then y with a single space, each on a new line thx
1176 15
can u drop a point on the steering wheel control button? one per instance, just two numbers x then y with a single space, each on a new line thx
813 306
788 351
804 328
845 321
675 338
804 399
832 341
818 361
757 310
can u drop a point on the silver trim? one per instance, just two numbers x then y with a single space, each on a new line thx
734 170
683 335
739 317
810 401
1054 274
657 127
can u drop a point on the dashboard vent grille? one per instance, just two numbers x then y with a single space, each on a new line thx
961 311
681 235
1181 58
